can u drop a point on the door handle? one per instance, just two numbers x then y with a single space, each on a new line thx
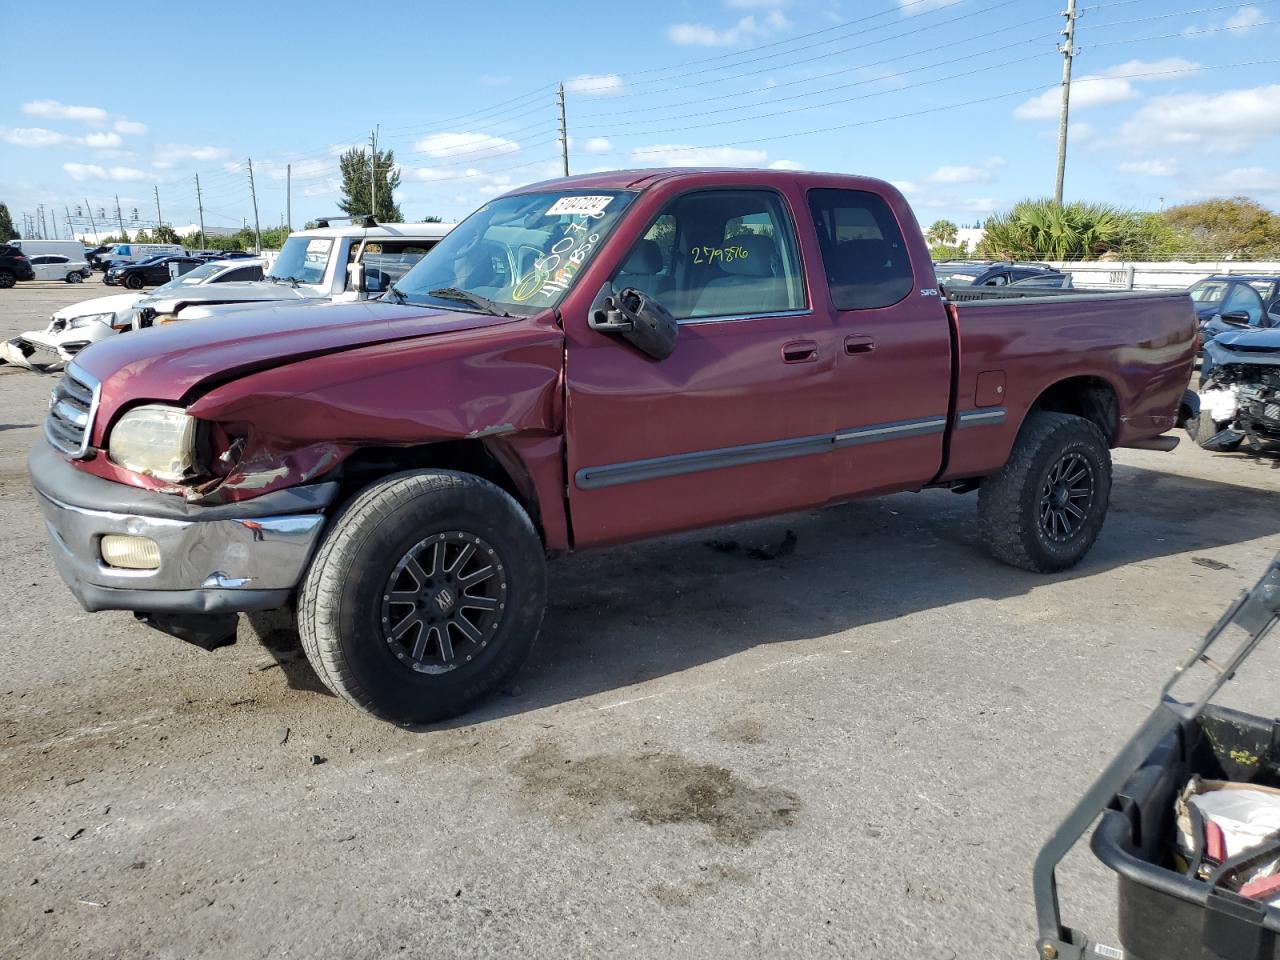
858 343
800 351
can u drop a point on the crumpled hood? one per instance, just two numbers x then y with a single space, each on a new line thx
1246 346
244 291
166 363
113 304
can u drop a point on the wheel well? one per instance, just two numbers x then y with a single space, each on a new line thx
1089 397
465 456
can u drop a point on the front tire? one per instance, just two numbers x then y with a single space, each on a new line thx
1044 509
425 595
133 282
6 279
75 277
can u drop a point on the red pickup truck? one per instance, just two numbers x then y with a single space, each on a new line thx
582 362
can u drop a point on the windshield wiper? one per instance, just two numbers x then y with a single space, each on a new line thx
395 293
454 293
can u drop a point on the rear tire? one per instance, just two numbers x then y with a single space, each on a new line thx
75 277
6 279
1044 509
380 547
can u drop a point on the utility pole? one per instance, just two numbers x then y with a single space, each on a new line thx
124 234
288 196
200 206
159 219
564 131
253 192
53 222
89 210
43 228
1068 51
71 231
373 172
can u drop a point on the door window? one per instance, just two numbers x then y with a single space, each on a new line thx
862 249
1244 299
719 253
386 261
240 275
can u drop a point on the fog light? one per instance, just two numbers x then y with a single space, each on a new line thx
131 553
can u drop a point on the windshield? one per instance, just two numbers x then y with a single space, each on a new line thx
195 275
302 259
517 254
1208 291
957 276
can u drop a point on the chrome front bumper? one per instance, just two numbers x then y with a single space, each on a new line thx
218 564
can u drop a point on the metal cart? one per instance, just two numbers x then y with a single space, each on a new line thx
1164 913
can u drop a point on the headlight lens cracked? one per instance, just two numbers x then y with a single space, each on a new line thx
155 440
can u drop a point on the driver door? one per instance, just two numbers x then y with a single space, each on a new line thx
736 423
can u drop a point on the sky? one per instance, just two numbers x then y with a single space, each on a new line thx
955 101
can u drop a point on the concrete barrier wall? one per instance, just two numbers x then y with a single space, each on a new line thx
1155 275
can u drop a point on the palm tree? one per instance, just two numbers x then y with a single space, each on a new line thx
1042 229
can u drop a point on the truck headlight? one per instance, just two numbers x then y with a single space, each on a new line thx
76 322
155 440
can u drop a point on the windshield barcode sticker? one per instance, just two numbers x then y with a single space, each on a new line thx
579 206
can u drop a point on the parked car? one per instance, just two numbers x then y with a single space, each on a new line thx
14 266
1240 392
582 362
967 274
351 262
1229 302
52 266
133 253
149 273
75 327
222 254
71 249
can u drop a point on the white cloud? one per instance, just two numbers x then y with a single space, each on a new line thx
786 165
684 155
748 28
53 110
1150 168
492 80
598 145
34 137
1080 132
960 174
305 170
476 145
233 166
102 141
1245 19
171 154
91 171
1246 180
1112 85
129 126
911 8
595 85
1231 121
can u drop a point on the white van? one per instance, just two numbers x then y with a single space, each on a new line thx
71 249
133 253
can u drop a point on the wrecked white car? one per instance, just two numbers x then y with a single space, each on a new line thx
1240 394
75 327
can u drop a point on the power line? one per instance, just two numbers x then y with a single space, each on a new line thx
1179 13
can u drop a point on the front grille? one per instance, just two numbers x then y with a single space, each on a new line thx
69 424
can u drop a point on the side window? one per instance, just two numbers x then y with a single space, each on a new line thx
862 249
37 261
386 261
718 253
240 274
1244 299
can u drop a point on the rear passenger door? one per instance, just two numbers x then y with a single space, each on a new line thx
893 342
737 421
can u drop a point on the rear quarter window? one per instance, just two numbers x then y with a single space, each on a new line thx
863 249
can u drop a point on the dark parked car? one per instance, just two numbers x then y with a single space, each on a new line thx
964 273
1048 281
14 266
149 273
1232 302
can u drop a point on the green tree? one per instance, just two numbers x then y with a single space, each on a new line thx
433 219
166 234
1044 230
1226 227
7 232
942 233
358 171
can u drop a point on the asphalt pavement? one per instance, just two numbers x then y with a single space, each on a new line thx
852 749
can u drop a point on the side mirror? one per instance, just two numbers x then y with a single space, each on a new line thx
640 320
1237 318
355 277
